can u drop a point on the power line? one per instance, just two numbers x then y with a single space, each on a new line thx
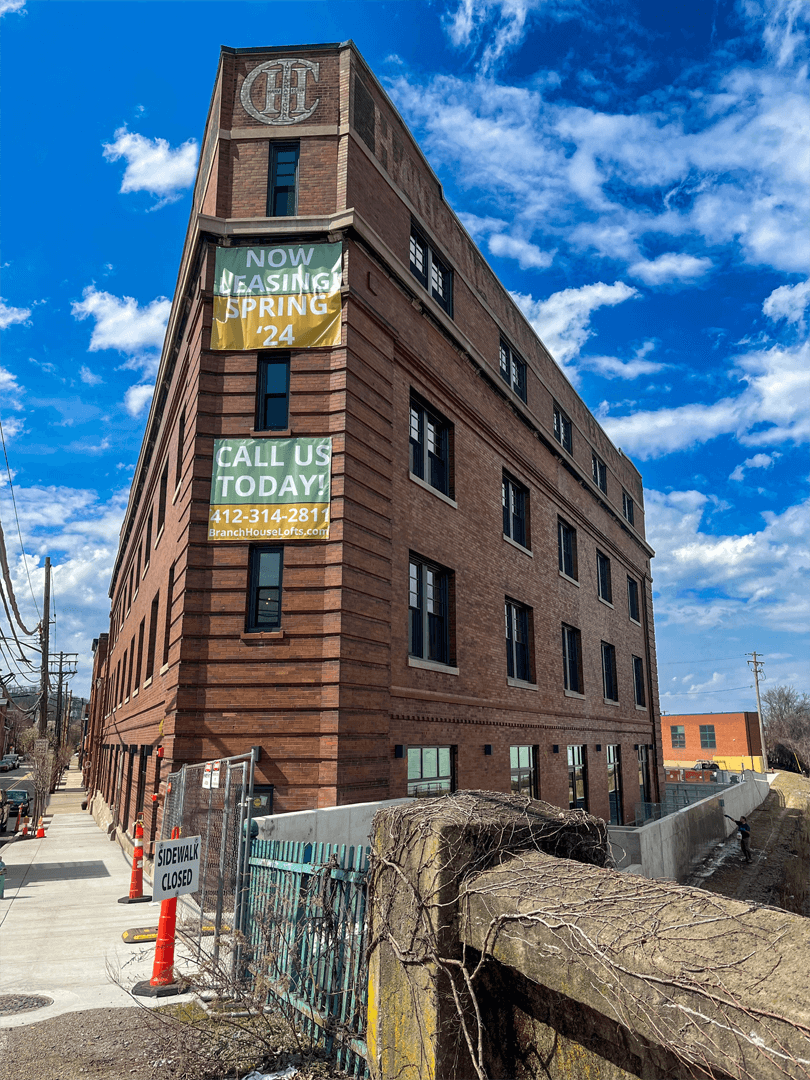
710 660
683 693
16 518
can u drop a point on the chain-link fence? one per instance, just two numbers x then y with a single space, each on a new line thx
211 800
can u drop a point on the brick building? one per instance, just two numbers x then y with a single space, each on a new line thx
730 739
458 592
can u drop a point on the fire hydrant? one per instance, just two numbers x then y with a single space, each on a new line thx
2 879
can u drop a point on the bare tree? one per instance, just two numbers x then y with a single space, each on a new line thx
786 718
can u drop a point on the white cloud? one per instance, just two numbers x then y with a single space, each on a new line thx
716 581
9 314
121 323
563 320
10 389
512 247
152 165
670 267
610 367
501 23
137 397
8 7
12 427
773 407
758 461
89 377
788 302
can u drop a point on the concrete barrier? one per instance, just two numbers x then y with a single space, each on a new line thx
350 825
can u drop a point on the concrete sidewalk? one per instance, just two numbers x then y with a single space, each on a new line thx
60 921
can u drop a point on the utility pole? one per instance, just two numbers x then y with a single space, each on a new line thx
59 702
45 641
756 666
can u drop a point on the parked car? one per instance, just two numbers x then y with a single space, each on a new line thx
707 765
5 810
19 799
5 765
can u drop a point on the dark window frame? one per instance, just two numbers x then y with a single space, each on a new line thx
515 506
430 269
567 549
523 770
708 737
147 547
518 626
264 362
181 439
572 660
430 440
429 630
610 681
252 617
163 489
512 369
167 623
677 733
604 585
563 429
628 509
277 191
577 775
599 472
426 785
149 670
632 600
613 759
638 682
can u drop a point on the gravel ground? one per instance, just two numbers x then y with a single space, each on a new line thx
129 1044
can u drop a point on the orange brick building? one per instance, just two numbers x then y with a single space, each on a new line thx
730 739
461 596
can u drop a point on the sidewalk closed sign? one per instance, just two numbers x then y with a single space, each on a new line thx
177 867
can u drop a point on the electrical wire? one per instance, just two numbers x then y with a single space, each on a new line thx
16 518
710 660
685 693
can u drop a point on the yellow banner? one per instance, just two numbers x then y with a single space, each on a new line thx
292 321
291 521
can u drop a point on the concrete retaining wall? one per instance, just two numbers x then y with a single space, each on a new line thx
669 848
349 825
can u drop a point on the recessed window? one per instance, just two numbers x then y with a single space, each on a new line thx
638 681
628 507
577 778
603 578
599 472
430 437
141 633
572 659
167 625
282 188
515 499
153 629
264 589
632 599
523 769
567 549
518 662
513 369
430 771
562 429
609 681
164 484
707 737
431 271
614 771
181 439
147 544
273 393
678 735
644 784
429 610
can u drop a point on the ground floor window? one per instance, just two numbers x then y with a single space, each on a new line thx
577 778
523 766
614 770
644 774
430 771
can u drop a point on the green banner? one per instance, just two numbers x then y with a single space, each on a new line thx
277 297
270 489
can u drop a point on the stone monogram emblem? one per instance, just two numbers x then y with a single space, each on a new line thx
285 92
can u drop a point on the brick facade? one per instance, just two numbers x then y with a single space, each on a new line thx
736 738
333 697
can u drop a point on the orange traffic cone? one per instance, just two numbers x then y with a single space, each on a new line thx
136 881
41 830
19 820
163 981
25 829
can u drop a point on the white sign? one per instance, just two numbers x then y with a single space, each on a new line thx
40 745
210 775
215 774
177 867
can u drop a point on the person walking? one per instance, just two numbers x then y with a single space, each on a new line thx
744 833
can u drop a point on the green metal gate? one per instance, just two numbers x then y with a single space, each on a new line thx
306 940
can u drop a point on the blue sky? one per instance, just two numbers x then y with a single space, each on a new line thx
636 174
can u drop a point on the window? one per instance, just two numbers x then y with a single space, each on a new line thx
181 438
707 739
577 778
141 630
609 682
638 681
603 578
430 771
264 589
523 766
614 771
632 599
121 688
131 660
599 472
137 570
147 547
562 429
513 369
628 507
678 736
567 549
428 611
273 393
129 588
164 484
644 787
150 649
434 274
515 500
283 180
167 626
518 664
430 447
572 659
